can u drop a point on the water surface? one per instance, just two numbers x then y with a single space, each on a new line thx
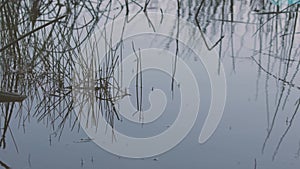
257 43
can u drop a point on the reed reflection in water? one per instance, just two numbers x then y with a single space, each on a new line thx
40 42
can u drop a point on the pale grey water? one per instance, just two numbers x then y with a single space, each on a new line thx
239 138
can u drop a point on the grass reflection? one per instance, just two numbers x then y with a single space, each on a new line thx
40 41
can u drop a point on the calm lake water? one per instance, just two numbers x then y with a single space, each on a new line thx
50 52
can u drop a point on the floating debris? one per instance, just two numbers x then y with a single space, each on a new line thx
11 97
